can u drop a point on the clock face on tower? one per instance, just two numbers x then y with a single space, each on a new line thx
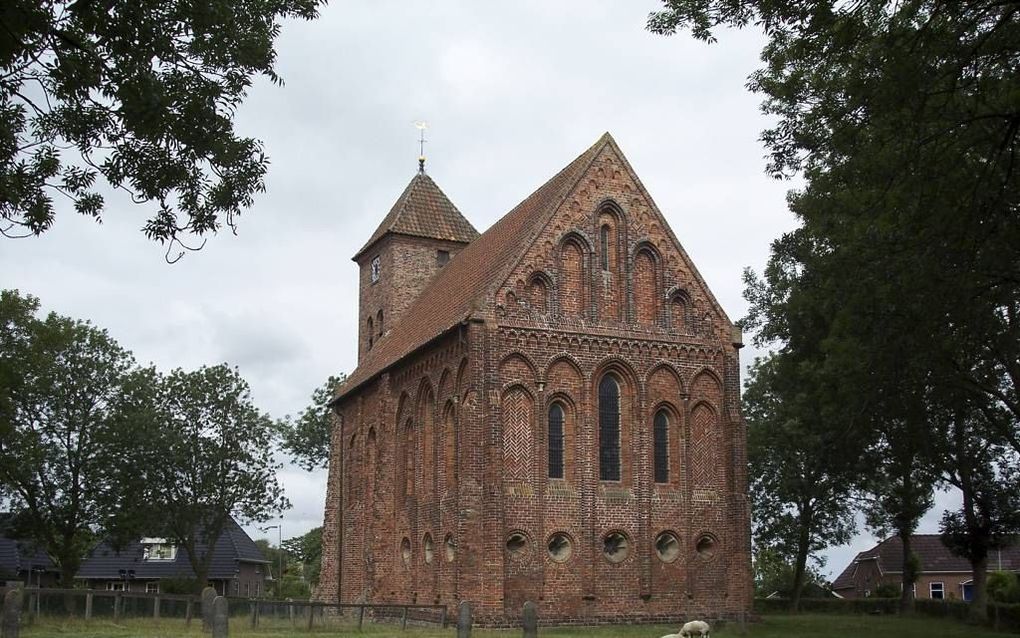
375 269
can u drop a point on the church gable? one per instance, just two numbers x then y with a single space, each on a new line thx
607 257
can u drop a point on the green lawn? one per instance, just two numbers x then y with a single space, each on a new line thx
829 626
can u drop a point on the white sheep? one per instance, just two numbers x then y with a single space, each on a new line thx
695 628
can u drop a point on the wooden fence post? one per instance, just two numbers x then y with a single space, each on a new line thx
11 624
117 603
442 617
189 610
290 610
88 605
220 619
155 607
208 596
361 616
311 615
464 619
530 620
403 619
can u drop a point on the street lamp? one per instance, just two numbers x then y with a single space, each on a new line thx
279 546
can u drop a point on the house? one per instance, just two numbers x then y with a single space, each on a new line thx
238 567
942 576
546 411
22 562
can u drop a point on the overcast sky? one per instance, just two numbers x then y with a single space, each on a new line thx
512 92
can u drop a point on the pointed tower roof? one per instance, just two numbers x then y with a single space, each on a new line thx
423 210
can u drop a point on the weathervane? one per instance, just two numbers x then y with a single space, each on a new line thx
421 125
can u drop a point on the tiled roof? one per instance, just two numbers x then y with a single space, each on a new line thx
460 288
423 210
17 555
9 559
233 546
935 558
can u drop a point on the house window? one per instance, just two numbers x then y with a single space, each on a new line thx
116 585
556 441
158 549
152 587
247 588
376 269
661 436
442 257
604 247
609 429
936 591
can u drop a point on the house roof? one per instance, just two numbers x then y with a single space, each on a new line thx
233 546
461 287
17 555
423 210
934 556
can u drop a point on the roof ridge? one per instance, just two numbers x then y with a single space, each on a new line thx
484 259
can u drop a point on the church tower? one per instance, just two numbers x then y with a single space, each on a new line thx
417 238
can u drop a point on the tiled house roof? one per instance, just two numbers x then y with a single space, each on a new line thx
17 555
232 547
459 289
423 210
934 556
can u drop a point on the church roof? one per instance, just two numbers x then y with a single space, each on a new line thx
423 210
461 287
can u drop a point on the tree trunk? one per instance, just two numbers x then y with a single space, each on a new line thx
803 542
909 578
979 605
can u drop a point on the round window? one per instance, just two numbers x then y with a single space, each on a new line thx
615 547
405 551
516 543
451 548
706 546
667 547
560 547
429 549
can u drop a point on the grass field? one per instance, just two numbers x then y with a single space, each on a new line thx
829 626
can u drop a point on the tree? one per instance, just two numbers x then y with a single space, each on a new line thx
202 454
307 549
773 574
61 382
142 93
802 471
307 438
902 119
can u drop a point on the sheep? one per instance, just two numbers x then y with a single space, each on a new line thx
695 628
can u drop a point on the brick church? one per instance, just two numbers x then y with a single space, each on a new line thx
545 411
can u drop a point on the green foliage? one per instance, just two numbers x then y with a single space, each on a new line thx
60 397
887 590
142 93
307 549
1004 587
774 574
179 585
801 476
307 439
202 452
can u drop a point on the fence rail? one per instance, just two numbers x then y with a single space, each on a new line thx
88 604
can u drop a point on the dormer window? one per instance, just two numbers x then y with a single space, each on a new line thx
376 268
157 549
442 257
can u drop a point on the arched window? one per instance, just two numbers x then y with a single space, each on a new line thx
609 429
556 441
661 444
371 333
379 322
408 458
604 246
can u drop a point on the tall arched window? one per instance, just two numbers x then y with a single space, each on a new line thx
609 429
408 458
661 446
379 322
604 246
556 441
371 333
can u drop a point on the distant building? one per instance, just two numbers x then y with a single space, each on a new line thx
22 562
943 575
238 566
546 411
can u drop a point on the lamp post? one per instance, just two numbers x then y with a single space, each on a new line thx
279 548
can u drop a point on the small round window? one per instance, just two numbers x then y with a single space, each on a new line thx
429 549
615 547
516 543
667 547
405 551
451 548
706 546
560 548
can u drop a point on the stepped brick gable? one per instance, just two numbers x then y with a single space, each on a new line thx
550 412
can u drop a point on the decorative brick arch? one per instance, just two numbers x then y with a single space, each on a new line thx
705 457
573 275
646 284
540 292
518 367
